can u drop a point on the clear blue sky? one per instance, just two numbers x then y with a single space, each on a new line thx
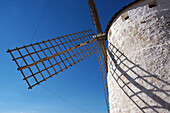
81 84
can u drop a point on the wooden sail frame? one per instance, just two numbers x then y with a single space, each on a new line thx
101 55
38 61
41 60
104 77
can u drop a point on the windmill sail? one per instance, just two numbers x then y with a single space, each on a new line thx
94 15
45 59
42 60
101 55
96 22
104 76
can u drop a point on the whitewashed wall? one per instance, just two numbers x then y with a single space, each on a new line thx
144 39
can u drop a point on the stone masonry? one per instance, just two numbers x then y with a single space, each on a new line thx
139 59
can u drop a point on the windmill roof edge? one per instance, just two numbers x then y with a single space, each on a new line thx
117 14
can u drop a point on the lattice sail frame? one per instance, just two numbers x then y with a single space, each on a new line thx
103 72
41 71
102 54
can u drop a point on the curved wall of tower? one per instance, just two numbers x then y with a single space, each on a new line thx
139 58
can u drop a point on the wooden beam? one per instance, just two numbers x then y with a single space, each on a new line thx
57 54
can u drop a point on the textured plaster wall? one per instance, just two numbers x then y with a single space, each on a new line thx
139 74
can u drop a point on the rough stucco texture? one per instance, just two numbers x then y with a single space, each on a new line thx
139 61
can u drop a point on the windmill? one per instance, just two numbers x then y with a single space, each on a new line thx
43 60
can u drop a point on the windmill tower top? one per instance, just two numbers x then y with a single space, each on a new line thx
135 4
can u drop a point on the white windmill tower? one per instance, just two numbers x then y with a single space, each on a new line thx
139 58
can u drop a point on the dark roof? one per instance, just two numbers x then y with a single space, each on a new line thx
117 14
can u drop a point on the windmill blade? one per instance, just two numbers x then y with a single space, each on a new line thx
96 21
45 59
94 16
101 55
103 72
